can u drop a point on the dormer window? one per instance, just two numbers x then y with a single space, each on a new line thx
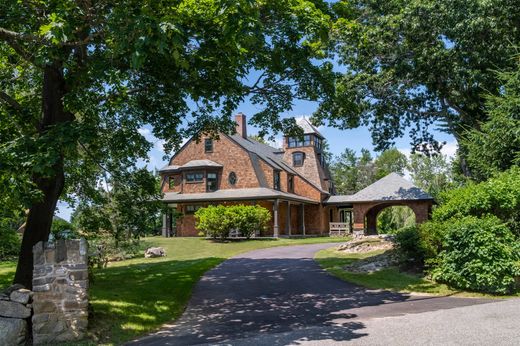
208 145
298 158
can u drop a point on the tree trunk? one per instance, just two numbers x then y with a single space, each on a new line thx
39 219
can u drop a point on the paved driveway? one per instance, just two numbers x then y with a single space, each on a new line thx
280 296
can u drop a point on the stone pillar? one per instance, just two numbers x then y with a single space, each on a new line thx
60 286
276 229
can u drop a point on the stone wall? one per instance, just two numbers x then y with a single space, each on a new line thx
15 311
60 291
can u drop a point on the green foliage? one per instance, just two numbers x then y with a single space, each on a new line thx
495 147
499 196
409 249
127 207
480 254
391 219
352 173
390 161
9 242
431 173
61 229
414 63
249 219
218 221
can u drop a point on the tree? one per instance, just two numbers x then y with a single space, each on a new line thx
390 161
79 79
431 173
127 206
411 64
352 173
496 146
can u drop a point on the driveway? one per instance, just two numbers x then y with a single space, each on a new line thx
280 296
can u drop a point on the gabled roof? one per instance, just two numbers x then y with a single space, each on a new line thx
307 127
191 164
270 155
393 187
234 195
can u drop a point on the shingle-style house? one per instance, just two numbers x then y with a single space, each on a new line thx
292 182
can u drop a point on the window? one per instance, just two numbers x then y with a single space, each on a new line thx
211 182
294 142
298 158
171 183
317 142
208 145
276 180
290 183
190 209
232 178
194 177
321 158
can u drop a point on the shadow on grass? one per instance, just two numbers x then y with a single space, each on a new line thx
131 300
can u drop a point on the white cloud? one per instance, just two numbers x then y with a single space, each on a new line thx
450 149
145 132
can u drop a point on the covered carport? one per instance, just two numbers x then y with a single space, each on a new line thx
365 205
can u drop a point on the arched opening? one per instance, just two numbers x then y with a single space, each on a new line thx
388 217
392 218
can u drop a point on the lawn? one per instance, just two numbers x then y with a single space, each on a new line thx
388 279
136 296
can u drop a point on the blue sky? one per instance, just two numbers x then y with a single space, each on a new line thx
338 140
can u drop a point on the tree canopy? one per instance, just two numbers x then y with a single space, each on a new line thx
79 79
412 65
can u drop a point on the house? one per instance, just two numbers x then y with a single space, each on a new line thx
293 182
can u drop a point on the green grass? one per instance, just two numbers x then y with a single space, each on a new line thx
136 296
389 279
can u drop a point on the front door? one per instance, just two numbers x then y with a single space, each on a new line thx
345 216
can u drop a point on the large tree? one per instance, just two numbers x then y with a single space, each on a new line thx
78 79
416 64
495 147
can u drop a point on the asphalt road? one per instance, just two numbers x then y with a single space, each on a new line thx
280 296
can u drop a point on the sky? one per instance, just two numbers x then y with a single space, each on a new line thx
338 140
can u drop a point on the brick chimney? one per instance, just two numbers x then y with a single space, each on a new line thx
241 127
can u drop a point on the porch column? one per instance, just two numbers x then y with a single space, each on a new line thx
165 225
288 219
303 218
275 218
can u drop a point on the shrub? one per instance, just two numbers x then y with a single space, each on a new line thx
249 219
499 196
479 254
218 221
62 229
432 234
215 221
408 245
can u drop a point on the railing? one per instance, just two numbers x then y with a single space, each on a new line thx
338 229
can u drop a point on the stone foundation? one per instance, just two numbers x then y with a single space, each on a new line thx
60 286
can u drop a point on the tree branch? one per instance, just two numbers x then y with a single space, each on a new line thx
12 38
10 101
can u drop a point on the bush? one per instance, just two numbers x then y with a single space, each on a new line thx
218 221
249 219
479 254
408 245
499 196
